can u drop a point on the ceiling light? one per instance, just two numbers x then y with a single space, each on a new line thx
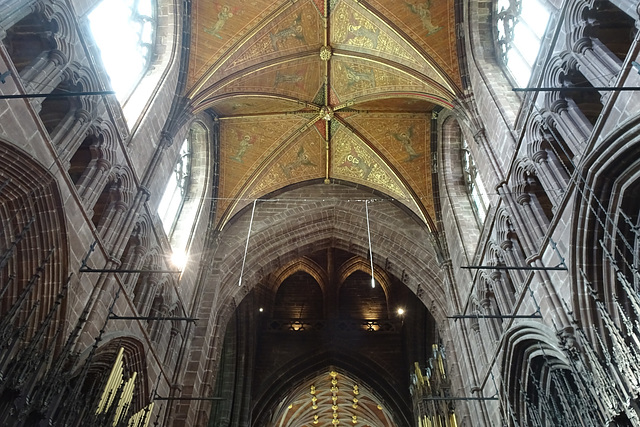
400 311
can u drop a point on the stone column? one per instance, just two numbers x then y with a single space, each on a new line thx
551 174
531 215
92 181
45 72
13 12
507 196
505 294
492 324
69 134
572 124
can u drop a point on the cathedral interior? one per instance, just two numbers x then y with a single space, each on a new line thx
299 213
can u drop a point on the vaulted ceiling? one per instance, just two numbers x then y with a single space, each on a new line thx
333 90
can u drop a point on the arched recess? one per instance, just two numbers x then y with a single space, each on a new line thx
403 247
459 217
542 385
380 384
306 265
33 238
359 300
604 250
299 296
605 243
94 366
181 232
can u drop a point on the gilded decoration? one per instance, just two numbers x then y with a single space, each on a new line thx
245 145
403 139
216 26
300 79
302 160
354 161
359 29
296 30
431 24
354 78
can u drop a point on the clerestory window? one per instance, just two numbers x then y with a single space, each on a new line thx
475 188
521 25
124 31
176 190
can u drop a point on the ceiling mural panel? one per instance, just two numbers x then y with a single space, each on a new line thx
431 24
299 79
353 160
218 26
355 28
263 69
353 78
245 144
404 140
298 29
246 104
302 160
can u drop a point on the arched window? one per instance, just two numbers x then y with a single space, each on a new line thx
176 190
521 24
124 31
475 188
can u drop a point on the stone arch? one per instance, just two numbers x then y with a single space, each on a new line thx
312 365
453 186
523 345
99 147
362 264
166 51
403 241
32 236
303 264
603 236
100 361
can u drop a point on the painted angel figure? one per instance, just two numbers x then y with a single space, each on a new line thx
407 143
243 146
423 10
223 16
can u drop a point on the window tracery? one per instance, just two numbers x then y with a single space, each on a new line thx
475 188
520 28
176 190
126 52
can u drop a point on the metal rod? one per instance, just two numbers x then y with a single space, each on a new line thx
576 88
84 268
246 247
189 398
116 317
504 267
366 208
496 316
460 398
57 95
108 270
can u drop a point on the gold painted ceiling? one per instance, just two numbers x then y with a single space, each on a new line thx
324 89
